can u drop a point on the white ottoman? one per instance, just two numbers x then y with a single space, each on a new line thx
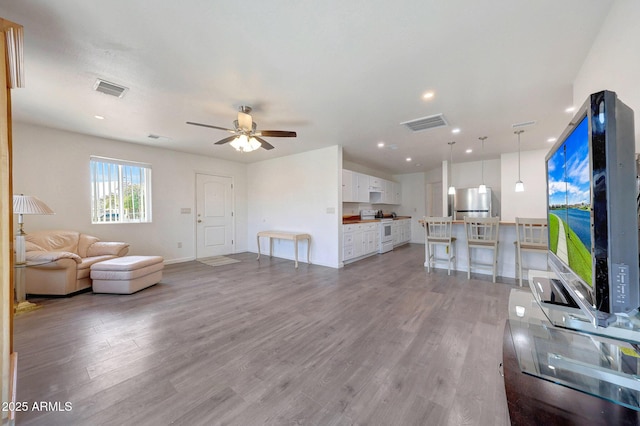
126 275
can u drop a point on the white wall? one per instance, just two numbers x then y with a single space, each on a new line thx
298 193
613 63
366 170
532 202
53 165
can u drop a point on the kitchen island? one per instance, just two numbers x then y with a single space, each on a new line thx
506 252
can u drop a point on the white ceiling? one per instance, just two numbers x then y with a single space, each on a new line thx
336 72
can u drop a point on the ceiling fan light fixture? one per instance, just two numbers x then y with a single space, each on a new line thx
254 144
244 144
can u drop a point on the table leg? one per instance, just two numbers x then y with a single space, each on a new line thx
308 250
258 237
270 247
295 244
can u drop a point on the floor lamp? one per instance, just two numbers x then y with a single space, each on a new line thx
24 204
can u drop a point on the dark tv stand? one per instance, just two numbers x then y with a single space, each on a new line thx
535 401
561 369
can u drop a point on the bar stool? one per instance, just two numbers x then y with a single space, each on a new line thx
482 233
531 236
437 231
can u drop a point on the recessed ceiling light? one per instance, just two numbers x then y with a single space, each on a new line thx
428 95
469 151
455 131
552 140
570 109
408 159
99 117
380 144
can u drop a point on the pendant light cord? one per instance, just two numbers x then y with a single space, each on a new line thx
518 133
482 138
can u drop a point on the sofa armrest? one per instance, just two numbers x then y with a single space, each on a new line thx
102 248
51 256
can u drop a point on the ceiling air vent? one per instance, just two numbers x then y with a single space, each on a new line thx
523 124
109 88
426 123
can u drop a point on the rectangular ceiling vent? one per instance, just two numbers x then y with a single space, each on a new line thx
426 123
523 124
109 88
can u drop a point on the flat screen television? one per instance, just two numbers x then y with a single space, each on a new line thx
592 211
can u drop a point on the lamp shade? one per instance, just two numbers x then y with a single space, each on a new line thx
27 204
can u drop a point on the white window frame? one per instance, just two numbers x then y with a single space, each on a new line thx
109 177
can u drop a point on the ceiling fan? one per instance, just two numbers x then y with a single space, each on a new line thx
245 137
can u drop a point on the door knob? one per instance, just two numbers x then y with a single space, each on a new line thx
199 221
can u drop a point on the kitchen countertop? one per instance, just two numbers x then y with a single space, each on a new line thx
348 220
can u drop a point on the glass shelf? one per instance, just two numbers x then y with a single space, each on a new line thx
603 366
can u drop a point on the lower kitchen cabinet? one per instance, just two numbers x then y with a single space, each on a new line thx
360 240
401 231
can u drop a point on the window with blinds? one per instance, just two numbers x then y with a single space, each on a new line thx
120 191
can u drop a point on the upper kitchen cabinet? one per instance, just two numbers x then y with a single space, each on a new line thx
361 188
347 185
355 187
397 193
375 184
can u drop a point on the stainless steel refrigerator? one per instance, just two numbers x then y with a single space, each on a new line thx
468 202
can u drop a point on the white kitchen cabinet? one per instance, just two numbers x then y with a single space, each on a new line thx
347 186
396 193
401 231
371 237
361 188
387 194
375 184
360 240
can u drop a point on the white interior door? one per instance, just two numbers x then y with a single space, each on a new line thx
214 215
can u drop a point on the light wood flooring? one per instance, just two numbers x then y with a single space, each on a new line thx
379 342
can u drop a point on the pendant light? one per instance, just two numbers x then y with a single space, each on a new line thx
482 189
519 183
452 189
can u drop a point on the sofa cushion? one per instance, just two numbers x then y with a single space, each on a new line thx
52 256
86 262
29 246
84 243
55 240
101 248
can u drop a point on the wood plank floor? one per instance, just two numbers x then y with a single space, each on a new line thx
379 342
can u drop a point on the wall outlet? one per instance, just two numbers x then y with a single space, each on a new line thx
179 245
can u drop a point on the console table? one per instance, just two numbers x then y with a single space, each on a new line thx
284 235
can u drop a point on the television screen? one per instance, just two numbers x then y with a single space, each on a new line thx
569 182
591 206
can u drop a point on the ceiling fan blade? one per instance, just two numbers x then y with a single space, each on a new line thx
245 121
225 140
210 126
265 144
278 133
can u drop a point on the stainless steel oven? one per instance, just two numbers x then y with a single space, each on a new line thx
386 236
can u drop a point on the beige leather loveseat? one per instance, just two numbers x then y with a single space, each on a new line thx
60 261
